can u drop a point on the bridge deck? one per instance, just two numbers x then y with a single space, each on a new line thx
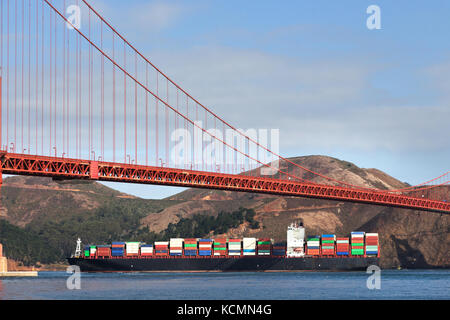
22 164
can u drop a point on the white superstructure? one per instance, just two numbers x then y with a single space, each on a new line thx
295 240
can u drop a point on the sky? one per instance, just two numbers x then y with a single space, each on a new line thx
378 98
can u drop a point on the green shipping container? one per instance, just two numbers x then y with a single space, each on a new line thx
86 253
190 245
219 249
327 241
357 252
264 242
371 248
357 244
327 247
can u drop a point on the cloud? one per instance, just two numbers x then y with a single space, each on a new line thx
321 104
141 18
155 16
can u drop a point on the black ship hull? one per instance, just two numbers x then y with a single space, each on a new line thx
196 264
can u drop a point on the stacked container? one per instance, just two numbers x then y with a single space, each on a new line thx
357 242
87 251
205 247
234 247
328 241
92 250
264 246
161 248
342 246
118 249
220 247
176 246
249 246
146 250
372 244
132 248
104 251
279 249
313 246
190 247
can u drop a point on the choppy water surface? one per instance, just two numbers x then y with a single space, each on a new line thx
395 284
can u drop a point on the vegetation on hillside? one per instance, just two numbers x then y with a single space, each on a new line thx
25 246
201 225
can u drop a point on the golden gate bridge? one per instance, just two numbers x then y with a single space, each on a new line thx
79 101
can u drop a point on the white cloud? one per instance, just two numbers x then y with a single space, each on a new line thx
155 16
321 104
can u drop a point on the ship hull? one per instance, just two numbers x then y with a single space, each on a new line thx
226 264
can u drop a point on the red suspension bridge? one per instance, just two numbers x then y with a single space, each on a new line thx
79 101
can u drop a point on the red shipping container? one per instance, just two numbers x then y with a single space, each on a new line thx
146 254
103 252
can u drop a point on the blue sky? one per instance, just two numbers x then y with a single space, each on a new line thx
378 98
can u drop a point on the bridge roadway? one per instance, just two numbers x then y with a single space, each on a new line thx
65 168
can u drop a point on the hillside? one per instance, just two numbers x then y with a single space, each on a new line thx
58 212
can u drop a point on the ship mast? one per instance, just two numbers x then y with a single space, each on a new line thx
78 249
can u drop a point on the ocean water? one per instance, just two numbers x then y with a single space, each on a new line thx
395 284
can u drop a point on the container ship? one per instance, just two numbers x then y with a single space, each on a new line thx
325 252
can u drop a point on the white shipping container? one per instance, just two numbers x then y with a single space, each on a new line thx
248 241
132 246
249 253
371 234
146 250
357 235
162 243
